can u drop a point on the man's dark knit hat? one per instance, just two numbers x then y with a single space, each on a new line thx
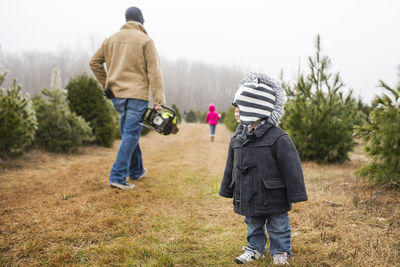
134 13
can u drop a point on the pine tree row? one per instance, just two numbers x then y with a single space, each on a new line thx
58 120
321 120
324 123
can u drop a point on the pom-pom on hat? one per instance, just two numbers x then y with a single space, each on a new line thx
259 97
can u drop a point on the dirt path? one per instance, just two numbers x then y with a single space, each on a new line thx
44 194
51 176
59 210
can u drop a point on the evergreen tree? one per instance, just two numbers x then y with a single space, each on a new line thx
178 114
86 99
116 121
318 117
230 120
203 117
2 77
364 111
191 116
145 131
381 137
17 120
59 130
198 116
3 70
223 114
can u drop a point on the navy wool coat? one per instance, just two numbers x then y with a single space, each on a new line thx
263 174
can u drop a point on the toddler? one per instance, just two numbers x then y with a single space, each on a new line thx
263 172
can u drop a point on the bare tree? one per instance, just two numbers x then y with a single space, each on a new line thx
189 85
195 85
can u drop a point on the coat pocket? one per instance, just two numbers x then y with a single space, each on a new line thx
236 193
275 191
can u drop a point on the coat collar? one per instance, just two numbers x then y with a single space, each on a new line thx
133 25
239 129
259 131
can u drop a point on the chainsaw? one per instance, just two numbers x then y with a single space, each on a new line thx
162 121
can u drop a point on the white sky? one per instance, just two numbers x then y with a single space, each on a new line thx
362 37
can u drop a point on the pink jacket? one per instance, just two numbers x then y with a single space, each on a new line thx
212 116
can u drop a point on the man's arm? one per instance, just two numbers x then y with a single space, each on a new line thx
96 64
154 74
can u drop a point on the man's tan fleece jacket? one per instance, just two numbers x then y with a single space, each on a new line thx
132 64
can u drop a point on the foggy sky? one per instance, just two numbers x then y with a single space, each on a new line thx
362 38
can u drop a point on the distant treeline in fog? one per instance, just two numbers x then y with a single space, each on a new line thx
189 85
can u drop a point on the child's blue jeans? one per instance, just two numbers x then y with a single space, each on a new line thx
279 233
212 129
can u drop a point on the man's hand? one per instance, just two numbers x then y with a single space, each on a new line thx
158 107
109 94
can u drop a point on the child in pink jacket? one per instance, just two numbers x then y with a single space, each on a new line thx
212 119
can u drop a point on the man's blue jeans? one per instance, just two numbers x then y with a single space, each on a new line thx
278 230
129 158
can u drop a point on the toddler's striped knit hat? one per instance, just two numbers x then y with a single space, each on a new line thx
259 97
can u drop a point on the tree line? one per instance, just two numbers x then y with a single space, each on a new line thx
322 117
193 85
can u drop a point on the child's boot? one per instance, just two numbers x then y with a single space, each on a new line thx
212 138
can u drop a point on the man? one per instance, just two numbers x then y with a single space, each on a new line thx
132 68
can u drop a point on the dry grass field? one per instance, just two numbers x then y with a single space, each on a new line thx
58 210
